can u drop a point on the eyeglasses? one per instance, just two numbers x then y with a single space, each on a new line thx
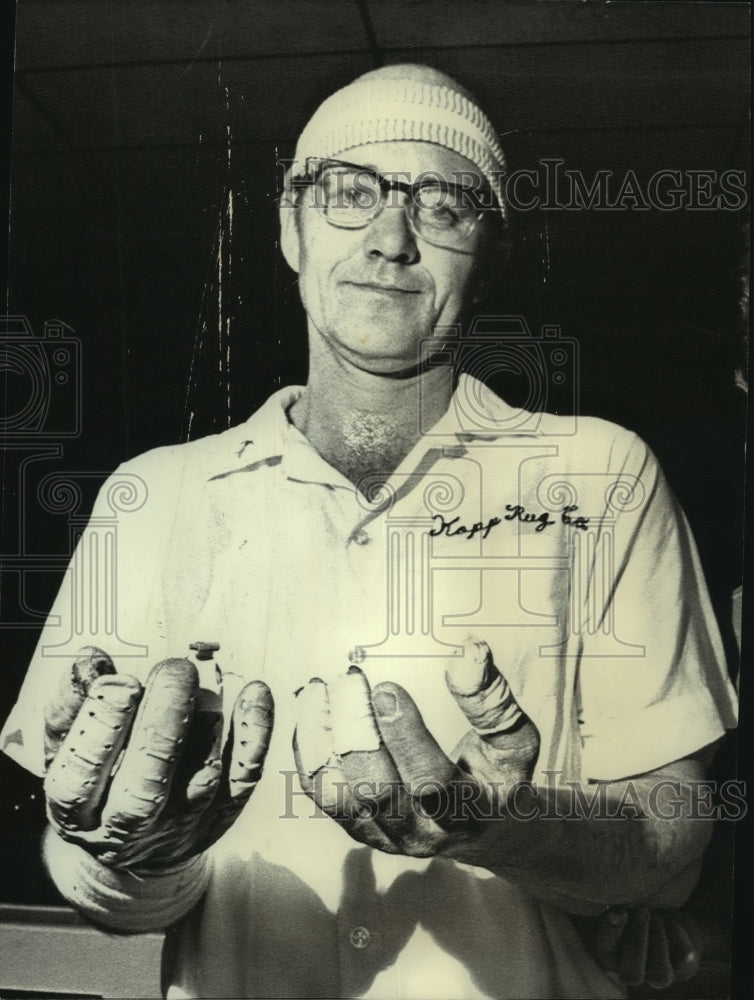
350 196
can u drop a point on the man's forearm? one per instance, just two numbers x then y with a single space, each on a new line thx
582 862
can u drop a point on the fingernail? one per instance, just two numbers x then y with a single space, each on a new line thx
353 669
298 691
316 680
385 704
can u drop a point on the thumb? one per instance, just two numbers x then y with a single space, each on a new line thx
483 694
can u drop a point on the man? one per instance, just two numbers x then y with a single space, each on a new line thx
441 599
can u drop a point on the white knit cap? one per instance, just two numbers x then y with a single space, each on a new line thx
405 102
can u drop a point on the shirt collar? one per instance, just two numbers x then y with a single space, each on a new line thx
475 414
262 440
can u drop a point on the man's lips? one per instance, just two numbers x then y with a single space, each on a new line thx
377 286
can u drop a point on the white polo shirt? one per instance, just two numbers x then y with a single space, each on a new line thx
554 539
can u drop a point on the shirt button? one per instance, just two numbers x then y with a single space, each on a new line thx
361 537
360 937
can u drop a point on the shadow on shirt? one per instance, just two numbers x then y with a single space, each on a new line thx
261 931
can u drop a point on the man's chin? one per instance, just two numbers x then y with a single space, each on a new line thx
387 347
391 365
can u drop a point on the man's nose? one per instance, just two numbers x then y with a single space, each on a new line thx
389 234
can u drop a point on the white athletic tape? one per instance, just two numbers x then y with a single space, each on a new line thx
351 714
313 732
494 709
482 691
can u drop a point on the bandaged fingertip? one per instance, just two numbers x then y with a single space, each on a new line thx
253 719
83 765
351 714
313 731
72 690
481 691
473 670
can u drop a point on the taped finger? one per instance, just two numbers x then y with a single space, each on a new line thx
313 734
482 692
321 772
80 771
73 688
243 759
365 762
320 768
142 782
199 768
251 731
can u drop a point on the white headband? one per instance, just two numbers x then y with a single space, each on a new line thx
393 110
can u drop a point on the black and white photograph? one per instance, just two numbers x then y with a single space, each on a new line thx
374 415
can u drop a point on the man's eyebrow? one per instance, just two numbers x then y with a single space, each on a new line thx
370 168
374 169
458 177
432 174
335 161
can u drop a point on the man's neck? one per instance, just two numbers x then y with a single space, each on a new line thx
365 424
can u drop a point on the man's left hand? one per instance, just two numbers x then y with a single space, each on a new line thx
368 760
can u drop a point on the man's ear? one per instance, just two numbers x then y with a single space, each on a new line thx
289 234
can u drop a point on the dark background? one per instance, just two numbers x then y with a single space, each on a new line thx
133 122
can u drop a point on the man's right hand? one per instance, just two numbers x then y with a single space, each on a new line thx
137 775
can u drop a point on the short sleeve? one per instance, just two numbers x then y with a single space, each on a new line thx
111 595
659 690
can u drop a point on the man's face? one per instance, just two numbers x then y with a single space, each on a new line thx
375 294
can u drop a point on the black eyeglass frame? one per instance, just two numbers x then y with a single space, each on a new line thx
316 165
